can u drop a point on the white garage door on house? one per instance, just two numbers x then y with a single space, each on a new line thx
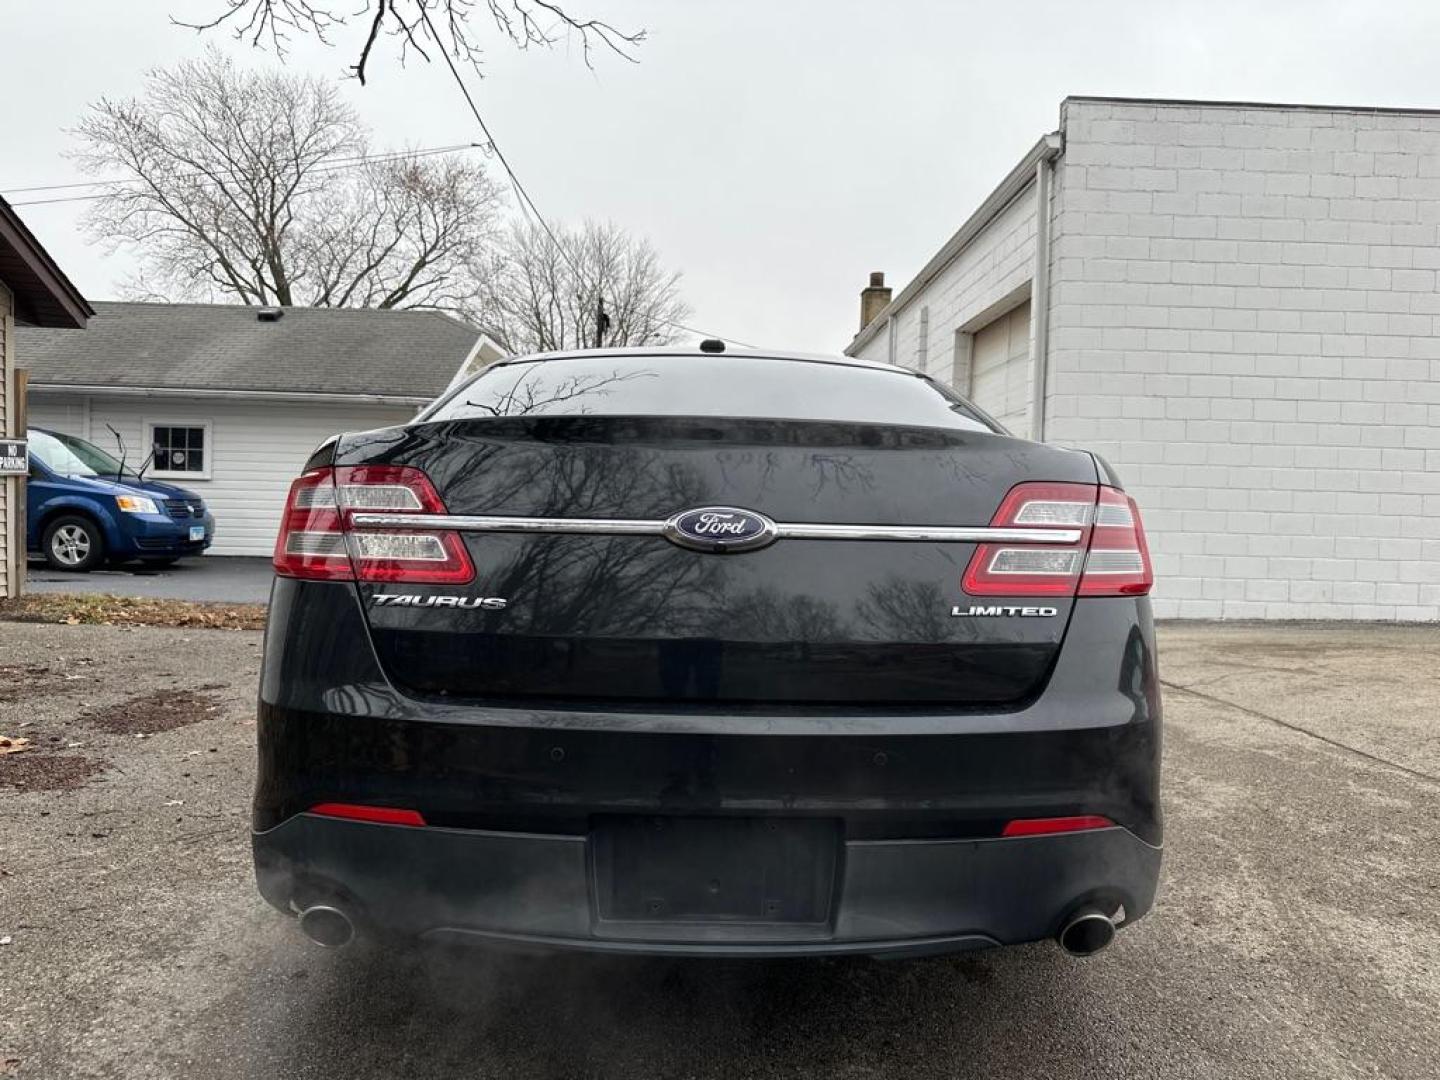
240 455
1000 369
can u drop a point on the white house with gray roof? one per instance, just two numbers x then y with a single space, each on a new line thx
231 400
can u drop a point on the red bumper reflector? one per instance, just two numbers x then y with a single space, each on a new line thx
384 815
1039 826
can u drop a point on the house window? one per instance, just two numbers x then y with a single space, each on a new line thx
181 449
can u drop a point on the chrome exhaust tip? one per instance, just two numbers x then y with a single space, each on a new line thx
327 926
1086 932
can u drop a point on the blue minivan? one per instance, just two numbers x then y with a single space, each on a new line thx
84 508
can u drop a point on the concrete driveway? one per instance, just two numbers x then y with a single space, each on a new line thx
1297 932
232 579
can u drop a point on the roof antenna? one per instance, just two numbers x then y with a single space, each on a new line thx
712 345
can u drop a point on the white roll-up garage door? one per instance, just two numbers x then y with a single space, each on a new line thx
1000 369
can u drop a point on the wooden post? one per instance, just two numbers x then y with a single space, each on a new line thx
17 588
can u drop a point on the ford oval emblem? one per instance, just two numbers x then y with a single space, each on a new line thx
720 529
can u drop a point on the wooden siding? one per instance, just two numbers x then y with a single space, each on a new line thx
257 448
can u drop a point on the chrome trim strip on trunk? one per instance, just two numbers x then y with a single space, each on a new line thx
958 533
644 527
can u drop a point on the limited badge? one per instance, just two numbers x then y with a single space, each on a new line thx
990 611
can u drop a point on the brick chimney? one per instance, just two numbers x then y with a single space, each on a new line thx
873 299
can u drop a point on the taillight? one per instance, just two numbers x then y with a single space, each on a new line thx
1118 562
408 555
1109 559
1034 569
311 543
318 540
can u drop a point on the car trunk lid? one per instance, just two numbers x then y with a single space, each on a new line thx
581 599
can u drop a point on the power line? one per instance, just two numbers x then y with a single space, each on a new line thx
707 334
339 164
495 146
520 188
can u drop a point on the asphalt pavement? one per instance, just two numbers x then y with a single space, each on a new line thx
1296 933
234 579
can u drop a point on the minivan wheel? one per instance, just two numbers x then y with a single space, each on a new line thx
73 543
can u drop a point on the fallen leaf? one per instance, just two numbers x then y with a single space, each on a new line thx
13 744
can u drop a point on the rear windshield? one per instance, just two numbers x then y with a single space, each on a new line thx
743 386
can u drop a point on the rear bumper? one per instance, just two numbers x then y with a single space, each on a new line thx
514 796
891 897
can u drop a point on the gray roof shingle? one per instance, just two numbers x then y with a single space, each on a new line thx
227 347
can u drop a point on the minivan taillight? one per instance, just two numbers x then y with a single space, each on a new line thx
317 538
1109 559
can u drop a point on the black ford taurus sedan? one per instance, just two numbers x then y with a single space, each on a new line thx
709 653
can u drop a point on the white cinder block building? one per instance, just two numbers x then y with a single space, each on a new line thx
1237 306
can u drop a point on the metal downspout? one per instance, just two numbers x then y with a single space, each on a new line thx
1040 290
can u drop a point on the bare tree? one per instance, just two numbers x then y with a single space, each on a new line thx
415 26
545 293
261 187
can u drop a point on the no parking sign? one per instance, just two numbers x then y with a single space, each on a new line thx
13 459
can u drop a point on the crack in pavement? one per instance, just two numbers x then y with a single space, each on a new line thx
1290 726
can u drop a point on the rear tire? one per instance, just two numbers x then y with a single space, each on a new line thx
73 543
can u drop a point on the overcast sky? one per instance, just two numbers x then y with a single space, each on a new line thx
774 151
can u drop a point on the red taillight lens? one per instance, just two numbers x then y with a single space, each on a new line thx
1118 562
381 815
1034 569
311 543
1041 826
1110 559
318 540
408 555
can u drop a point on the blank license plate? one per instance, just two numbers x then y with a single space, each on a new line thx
197 532
768 870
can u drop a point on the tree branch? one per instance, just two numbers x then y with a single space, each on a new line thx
525 24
